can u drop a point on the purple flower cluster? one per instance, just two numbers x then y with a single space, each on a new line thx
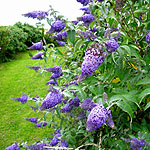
58 140
61 43
83 2
60 36
148 38
57 26
87 34
36 147
36 14
52 99
136 144
38 56
86 10
88 104
56 70
94 29
35 68
75 22
72 103
23 99
52 82
94 56
36 46
96 118
41 124
71 83
14 146
111 45
33 119
87 19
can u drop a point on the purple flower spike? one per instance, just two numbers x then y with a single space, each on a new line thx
36 46
35 68
55 140
136 144
96 118
94 56
33 119
88 105
109 120
55 69
111 45
75 22
36 147
61 43
148 38
13 147
52 99
86 10
57 26
38 56
36 14
52 82
23 99
41 124
84 2
87 18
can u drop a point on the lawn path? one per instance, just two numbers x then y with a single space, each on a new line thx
16 78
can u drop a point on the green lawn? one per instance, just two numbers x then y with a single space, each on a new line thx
16 78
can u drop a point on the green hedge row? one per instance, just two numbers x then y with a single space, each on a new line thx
17 38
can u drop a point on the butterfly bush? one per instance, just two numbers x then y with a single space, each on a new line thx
36 46
36 147
87 19
37 14
148 38
14 146
52 99
94 56
38 56
41 124
96 118
136 144
83 108
57 26
33 119
35 68
23 99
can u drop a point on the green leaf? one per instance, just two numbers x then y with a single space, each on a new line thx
71 35
126 48
147 106
144 81
92 89
68 94
58 52
131 98
125 107
78 44
77 87
116 98
144 93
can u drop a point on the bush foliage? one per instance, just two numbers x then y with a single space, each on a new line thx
107 67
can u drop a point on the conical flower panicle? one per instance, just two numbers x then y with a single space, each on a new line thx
94 56
96 118
52 99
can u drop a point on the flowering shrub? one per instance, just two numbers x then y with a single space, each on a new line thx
100 93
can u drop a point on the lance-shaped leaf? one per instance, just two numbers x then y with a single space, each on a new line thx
125 107
144 93
71 35
144 81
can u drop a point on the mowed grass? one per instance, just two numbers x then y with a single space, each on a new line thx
15 79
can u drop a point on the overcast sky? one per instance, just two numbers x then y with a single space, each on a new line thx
11 10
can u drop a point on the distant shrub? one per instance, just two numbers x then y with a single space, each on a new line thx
34 33
12 40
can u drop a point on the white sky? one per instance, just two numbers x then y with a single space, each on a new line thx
11 10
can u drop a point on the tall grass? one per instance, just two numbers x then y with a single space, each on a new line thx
16 78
